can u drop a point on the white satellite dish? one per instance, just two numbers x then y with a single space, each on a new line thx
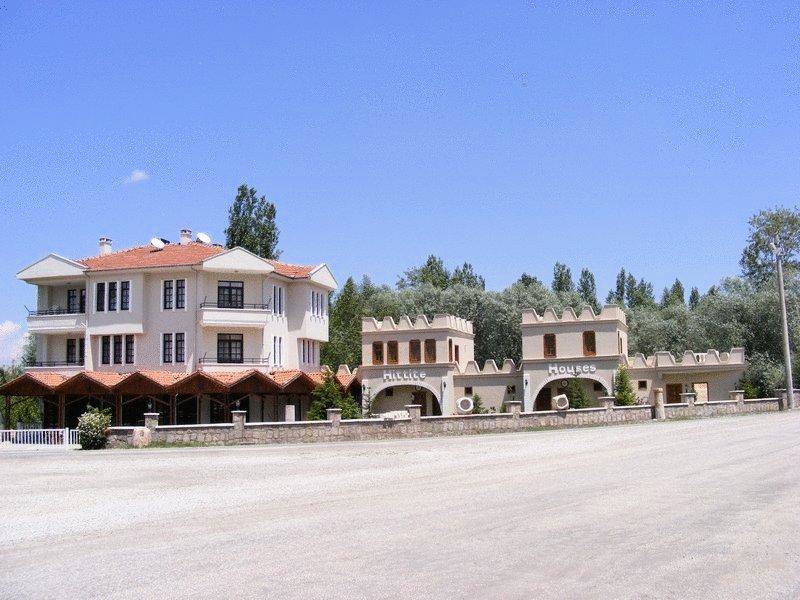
203 238
157 243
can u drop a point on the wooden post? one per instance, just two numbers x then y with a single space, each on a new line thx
173 409
62 409
118 410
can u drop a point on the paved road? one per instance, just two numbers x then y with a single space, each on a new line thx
701 509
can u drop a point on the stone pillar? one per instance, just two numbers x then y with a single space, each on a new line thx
151 420
238 418
658 404
783 398
608 403
738 396
515 408
288 412
335 417
415 412
688 398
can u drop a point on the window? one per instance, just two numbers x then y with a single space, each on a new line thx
277 300
72 354
589 345
414 352
112 295
180 347
105 350
619 342
377 353
701 392
128 349
125 295
166 347
642 384
317 304
100 300
450 350
81 350
117 349
458 359
180 293
72 301
82 304
468 390
430 351
391 353
230 347
277 351
167 305
549 345
230 294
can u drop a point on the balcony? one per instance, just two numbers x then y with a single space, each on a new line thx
220 314
56 320
64 367
231 364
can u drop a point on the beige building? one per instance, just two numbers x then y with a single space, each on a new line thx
555 349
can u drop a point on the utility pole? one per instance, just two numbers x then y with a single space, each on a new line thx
787 353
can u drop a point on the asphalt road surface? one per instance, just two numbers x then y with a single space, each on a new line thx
688 509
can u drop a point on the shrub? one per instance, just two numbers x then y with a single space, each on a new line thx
328 394
92 428
477 406
576 394
624 390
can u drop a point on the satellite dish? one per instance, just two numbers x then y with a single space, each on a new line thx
203 238
157 243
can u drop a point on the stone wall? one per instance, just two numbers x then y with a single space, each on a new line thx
334 429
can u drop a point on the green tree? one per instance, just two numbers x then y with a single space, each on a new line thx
623 390
576 394
617 295
673 295
28 357
432 272
526 279
562 279
465 275
779 225
694 298
344 345
587 289
24 409
477 406
329 394
251 224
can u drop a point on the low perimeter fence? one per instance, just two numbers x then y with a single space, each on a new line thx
336 429
21 439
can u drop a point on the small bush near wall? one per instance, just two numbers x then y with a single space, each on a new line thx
327 395
92 428
624 393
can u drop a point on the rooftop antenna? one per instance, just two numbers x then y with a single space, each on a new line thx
157 243
203 238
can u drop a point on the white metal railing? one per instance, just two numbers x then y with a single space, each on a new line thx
65 438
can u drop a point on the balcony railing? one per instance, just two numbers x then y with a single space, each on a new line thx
229 361
57 363
240 306
55 311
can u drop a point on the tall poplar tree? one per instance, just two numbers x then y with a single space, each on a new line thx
587 289
251 224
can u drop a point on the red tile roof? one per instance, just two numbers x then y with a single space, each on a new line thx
47 378
165 378
290 270
177 255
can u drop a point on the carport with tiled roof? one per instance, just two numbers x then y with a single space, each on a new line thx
177 396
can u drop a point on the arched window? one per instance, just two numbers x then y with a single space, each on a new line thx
589 344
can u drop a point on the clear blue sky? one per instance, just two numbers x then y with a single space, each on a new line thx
509 136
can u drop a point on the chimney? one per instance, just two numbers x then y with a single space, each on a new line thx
186 236
105 246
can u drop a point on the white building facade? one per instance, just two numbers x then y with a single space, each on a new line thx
183 307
